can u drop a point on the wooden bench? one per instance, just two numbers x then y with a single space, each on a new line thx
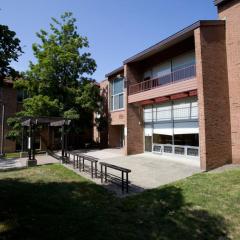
113 178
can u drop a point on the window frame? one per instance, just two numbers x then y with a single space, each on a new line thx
112 108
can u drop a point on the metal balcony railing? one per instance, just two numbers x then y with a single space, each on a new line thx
176 76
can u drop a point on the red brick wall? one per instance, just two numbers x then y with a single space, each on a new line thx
134 138
117 117
214 122
102 136
231 13
9 97
114 136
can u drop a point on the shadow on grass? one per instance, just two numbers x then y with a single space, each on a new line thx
82 210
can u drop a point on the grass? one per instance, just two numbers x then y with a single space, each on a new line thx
51 202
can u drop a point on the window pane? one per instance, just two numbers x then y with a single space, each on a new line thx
116 102
164 112
147 114
162 139
118 86
111 103
186 139
181 109
121 101
184 60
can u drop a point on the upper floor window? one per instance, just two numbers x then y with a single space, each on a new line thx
21 95
117 92
178 67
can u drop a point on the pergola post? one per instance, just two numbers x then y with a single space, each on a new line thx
63 143
29 142
31 151
33 142
66 143
33 122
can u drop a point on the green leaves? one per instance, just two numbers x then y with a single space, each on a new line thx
10 50
40 105
58 84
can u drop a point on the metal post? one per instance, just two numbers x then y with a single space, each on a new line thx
105 173
91 169
33 142
62 138
173 140
2 129
22 147
95 169
101 173
31 151
122 182
83 163
29 142
66 143
127 180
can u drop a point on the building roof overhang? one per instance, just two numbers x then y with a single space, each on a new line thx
172 40
115 71
220 2
51 121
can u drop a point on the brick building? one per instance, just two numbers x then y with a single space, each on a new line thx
11 103
181 96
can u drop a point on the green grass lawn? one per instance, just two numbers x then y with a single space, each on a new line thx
51 202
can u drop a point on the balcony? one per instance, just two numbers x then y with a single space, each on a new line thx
174 77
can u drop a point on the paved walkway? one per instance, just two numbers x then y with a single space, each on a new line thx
148 170
15 163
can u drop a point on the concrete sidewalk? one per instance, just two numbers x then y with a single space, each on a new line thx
16 163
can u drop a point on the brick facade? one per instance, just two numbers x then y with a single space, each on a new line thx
217 84
9 99
230 12
213 98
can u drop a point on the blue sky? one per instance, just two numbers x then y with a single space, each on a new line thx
116 29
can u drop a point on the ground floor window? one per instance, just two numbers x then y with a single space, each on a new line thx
172 127
162 139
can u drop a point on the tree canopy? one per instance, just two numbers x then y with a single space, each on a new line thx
58 83
10 50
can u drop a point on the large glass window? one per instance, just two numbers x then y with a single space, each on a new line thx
179 110
172 127
117 91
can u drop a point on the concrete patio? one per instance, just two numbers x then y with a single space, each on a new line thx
148 170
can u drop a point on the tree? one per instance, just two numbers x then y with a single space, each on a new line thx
59 80
10 50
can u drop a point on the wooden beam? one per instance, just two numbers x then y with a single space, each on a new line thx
193 93
179 96
161 99
147 102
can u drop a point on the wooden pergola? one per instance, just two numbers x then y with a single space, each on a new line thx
33 122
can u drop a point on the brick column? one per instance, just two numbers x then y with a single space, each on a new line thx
134 139
230 12
213 97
